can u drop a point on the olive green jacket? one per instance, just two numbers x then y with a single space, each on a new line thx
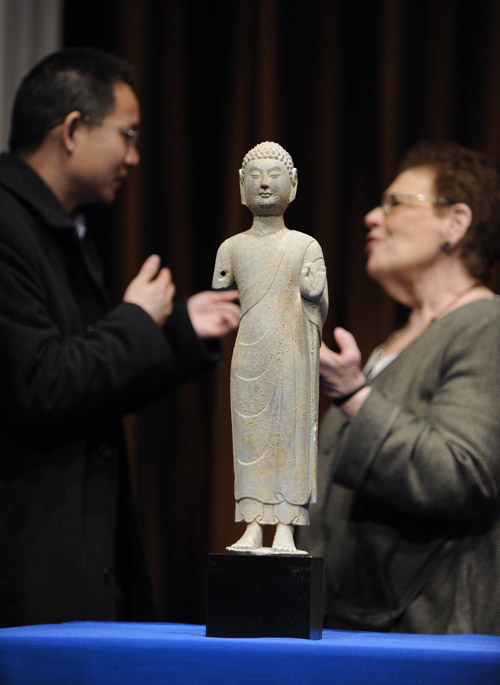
408 517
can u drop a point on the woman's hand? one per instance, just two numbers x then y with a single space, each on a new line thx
340 372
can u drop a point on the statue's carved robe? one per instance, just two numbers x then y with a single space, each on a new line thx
274 369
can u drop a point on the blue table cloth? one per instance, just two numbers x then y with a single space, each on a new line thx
123 653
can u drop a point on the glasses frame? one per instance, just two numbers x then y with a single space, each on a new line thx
388 200
130 135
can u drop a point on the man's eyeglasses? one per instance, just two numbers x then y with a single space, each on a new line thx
130 135
391 200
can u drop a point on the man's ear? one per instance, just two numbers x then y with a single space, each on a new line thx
69 129
295 181
460 218
242 190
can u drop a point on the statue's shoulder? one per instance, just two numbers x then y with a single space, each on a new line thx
235 239
303 239
226 244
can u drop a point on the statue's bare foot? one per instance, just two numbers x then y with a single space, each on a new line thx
250 540
283 542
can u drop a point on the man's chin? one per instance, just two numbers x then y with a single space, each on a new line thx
109 196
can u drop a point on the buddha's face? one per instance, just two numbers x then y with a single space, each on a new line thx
266 187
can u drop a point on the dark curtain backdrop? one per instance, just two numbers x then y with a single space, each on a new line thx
346 87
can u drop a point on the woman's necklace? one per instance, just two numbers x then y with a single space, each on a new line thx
382 349
449 305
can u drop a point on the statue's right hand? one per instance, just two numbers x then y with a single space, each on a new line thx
153 290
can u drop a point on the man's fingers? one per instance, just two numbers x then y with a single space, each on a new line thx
149 269
164 277
227 295
230 312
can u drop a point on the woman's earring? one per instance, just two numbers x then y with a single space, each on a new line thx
446 245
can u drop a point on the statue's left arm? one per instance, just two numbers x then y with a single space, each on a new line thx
313 284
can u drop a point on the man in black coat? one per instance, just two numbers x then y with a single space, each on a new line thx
71 366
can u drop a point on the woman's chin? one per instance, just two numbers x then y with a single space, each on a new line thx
381 273
374 268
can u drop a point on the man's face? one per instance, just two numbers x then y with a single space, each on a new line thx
103 155
266 187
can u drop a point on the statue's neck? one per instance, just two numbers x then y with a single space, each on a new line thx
268 224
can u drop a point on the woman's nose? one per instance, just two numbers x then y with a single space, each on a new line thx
374 217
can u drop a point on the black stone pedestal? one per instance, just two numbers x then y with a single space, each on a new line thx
264 596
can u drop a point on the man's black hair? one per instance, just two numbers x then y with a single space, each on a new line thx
74 79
